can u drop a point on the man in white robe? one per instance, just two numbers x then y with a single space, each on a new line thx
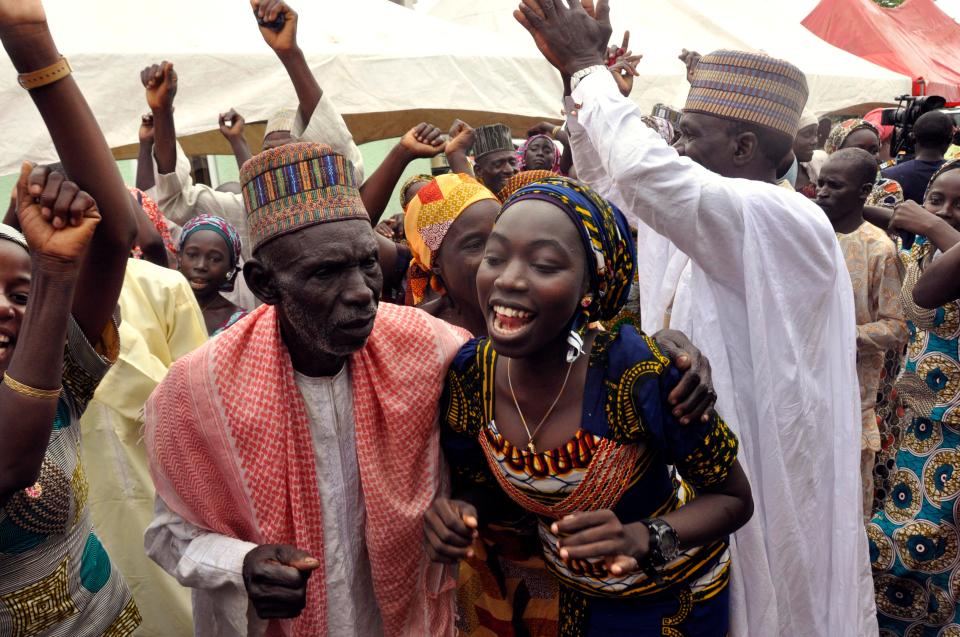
754 274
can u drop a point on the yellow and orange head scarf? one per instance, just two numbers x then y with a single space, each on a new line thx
428 217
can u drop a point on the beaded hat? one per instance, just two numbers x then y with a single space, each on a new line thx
749 87
295 186
489 139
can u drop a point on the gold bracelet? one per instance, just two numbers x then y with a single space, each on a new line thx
28 391
47 75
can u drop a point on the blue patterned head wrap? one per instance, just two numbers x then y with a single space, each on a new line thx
216 224
605 235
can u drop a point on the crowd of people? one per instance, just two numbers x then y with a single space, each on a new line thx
633 376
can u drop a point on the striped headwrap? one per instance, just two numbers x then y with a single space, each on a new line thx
216 224
522 151
749 87
953 164
295 186
521 179
611 253
843 130
428 218
416 179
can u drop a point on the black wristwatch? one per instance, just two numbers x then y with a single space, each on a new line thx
664 543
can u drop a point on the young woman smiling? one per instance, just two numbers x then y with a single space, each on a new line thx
574 427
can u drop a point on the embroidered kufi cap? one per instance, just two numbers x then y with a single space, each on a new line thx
295 186
489 139
281 122
749 87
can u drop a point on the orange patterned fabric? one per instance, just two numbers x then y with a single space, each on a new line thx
230 451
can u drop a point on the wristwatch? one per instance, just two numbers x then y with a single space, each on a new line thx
582 73
664 543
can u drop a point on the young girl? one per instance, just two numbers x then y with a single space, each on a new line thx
209 253
572 427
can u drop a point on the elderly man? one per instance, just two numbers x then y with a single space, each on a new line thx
304 438
754 274
496 158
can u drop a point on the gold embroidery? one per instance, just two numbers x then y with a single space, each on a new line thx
42 605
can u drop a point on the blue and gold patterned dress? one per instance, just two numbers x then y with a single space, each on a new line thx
914 539
619 459
56 579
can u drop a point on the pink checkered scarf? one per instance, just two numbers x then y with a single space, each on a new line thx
230 451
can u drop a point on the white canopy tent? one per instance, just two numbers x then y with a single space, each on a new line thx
838 80
386 68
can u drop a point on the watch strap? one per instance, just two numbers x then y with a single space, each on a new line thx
47 75
658 529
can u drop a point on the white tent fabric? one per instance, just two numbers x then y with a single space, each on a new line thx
838 80
385 67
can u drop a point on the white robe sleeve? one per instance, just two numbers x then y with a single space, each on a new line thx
209 563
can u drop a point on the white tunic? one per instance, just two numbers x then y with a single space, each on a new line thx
212 564
754 275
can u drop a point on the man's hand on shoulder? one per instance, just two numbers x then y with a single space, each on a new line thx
694 396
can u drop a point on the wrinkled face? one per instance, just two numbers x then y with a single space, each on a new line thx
205 262
707 140
838 190
865 139
943 198
540 154
532 278
276 139
805 143
328 281
14 290
460 253
494 169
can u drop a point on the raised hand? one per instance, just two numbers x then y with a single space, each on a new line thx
20 12
423 141
570 39
268 11
450 527
276 577
624 69
146 128
160 82
690 59
232 124
600 534
912 217
461 136
57 218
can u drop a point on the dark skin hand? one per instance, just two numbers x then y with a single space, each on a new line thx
423 141
939 283
912 217
37 293
571 39
694 396
690 59
231 127
84 273
461 141
276 577
145 180
160 83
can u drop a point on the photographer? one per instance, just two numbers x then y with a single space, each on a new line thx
933 133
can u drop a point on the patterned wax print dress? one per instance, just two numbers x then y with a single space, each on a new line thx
56 579
619 459
914 539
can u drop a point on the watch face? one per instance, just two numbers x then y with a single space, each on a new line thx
668 544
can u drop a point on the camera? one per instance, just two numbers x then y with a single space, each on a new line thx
904 117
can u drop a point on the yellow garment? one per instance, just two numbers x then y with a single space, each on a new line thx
952 153
160 322
428 217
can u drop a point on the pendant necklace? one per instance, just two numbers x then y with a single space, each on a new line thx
530 436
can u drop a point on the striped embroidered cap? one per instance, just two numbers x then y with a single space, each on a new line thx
298 185
749 87
491 138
